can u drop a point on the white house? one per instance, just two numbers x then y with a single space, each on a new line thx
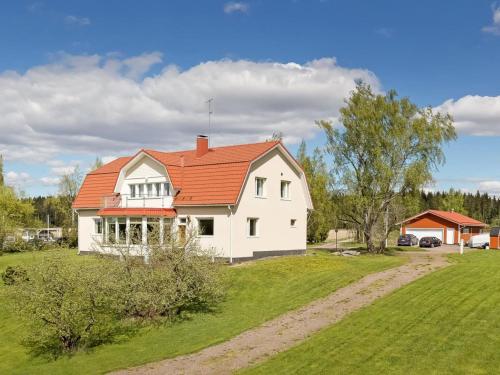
246 201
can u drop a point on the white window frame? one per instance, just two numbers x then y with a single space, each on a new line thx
168 191
257 232
133 190
96 227
263 179
213 226
287 184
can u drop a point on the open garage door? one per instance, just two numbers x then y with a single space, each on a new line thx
425 232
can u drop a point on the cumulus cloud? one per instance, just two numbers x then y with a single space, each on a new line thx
494 28
17 179
92 105
49 181
74 20
233 7
474 114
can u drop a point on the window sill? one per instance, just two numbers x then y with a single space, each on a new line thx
285 199
253 236
260 197
205 236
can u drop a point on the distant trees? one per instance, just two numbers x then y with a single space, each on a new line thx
2 182
385 151
14 213
322 218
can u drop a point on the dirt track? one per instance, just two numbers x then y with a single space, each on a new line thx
287 330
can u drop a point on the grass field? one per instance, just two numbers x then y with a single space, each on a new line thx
258 292
446 323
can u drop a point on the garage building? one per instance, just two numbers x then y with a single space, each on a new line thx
449 227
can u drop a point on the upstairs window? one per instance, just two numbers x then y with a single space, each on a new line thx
206 226
140 190
150 189
132 191
252 226
166 189
259 186
293 223
157 189
285 189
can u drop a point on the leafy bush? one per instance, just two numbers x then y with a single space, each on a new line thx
20 245
14 274
68 305
71 305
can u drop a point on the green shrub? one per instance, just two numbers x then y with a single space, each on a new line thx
68 305
20 245
14 274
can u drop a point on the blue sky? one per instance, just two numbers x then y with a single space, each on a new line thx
149 59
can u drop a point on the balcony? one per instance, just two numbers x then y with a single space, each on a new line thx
127 201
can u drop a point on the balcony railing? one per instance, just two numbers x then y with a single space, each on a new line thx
144 201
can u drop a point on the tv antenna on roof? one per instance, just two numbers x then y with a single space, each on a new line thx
210 113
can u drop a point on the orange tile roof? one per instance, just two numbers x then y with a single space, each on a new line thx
164 212
454 217
215 178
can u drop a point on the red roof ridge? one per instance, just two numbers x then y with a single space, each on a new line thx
452 216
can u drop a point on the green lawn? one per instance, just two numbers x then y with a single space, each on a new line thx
445 323
258 292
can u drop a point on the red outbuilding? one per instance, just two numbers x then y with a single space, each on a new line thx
449 227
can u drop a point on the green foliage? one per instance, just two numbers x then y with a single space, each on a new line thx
322 218
14 213
68 305
444 323
388 148
2 181
80 305
453 201
19 245
14 274
258 291
97 164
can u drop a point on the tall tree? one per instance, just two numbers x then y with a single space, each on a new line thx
453 200
14 213
388 147
322 218
97 164
2 182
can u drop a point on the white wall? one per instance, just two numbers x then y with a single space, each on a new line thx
220 241
274 213
145 170
86 229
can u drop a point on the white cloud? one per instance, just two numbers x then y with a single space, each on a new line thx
494 28
233 7
474 115
89 104
492 187
74 20
49 181
17 179
385 32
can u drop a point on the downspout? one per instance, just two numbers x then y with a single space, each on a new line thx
230 234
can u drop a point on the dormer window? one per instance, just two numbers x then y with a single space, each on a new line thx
259 186
166 189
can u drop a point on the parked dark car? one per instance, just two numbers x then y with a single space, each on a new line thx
430 242
407 240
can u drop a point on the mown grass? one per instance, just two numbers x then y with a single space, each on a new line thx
258 291
445 323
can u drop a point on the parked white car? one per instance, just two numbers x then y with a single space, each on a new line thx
479 240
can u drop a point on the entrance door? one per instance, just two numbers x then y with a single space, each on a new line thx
450 236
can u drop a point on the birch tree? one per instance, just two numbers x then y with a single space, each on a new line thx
387 147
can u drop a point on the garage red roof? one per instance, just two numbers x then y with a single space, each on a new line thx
454 217
214 178
165 212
